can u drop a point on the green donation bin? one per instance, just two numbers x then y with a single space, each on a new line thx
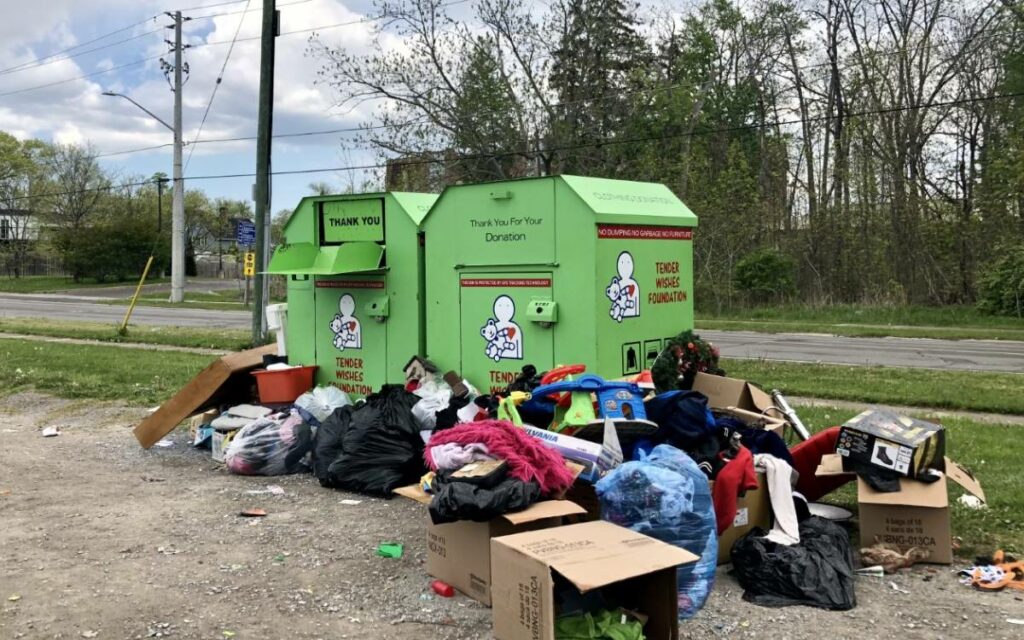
553 271
354 265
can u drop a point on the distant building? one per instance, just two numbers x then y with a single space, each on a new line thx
18 225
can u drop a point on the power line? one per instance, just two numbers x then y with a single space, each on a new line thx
81 77
75 55
538 150
79 45
216 84
126 151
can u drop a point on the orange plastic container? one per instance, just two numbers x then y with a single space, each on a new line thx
284 385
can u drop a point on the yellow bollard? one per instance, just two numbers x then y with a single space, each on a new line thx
138 289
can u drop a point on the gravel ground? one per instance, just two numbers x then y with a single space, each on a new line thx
101 539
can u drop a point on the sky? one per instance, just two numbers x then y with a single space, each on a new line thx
76 111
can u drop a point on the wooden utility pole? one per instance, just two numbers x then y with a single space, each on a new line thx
264 132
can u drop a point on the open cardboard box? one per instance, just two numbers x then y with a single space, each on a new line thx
753 509
741 399
636 572
915 516
459 553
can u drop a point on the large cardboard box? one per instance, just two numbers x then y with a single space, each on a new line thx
890 441
915 516
753 509
459 553
740 399
631 570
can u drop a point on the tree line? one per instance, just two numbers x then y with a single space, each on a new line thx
834 150
58 199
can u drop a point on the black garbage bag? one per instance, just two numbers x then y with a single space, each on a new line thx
327 444
459 500
380 446
818 572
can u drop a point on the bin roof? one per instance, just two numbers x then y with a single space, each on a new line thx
306 258
611 200
415 205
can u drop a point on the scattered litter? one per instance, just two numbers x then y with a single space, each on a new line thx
272 489
90 634
390 549
152 479
1015 620
5 492
163 443
442 589
279 557
350 502
51 432
898 589
228 634
14 598
971 502
252 513
876 571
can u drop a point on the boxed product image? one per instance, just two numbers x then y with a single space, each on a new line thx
890 441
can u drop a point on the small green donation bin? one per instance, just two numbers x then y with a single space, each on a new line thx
355 282
553 271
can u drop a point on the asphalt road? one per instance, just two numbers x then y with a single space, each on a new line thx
963 355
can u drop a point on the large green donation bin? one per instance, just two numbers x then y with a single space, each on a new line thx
355 284
556 271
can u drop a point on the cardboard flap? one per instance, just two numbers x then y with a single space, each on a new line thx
831 465
542 510
414 492
960 475
761 399
594 554
225 381
912 493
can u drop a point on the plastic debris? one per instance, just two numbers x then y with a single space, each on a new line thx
971 502
163 443
252 513
14 598
390 549
442 588
876 571
897 588
51 432
350 502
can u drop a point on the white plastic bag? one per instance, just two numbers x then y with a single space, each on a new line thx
321 402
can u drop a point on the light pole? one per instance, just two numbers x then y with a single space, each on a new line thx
177 202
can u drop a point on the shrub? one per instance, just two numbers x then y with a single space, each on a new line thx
1001 285
765 275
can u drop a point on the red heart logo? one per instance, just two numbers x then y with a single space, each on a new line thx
631 288
352 326
511 332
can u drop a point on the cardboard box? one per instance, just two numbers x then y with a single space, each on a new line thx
459 553
595 458
631 570
725 392
199 420
915 516
753 509
897 443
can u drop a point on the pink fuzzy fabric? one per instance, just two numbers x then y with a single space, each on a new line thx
527 458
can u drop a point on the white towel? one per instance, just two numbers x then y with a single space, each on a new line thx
780 488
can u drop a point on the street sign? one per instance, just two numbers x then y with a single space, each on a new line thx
245 233
249 266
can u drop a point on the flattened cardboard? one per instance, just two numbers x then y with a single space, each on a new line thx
753 509
635 570
225 381
960 475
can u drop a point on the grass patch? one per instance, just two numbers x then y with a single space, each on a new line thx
951 323
47 284
226 339
982 448
973 391
94 371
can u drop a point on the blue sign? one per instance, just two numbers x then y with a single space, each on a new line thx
245 233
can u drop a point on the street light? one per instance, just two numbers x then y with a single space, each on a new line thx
177 205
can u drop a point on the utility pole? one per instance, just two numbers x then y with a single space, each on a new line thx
178 196
262 190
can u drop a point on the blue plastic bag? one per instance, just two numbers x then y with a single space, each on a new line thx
664 495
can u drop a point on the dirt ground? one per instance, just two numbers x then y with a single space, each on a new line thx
101 539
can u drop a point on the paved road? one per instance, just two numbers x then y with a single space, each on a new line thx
964 355
65 307
195 285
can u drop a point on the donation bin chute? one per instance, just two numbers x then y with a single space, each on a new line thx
355 286
556 270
